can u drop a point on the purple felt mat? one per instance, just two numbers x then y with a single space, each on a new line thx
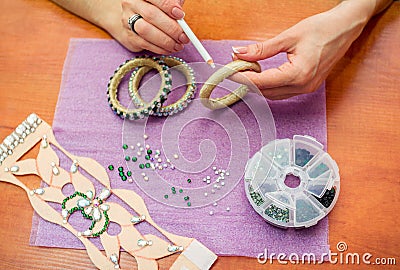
85 126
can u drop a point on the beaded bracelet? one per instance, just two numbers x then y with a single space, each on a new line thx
175 107
155 103
218 77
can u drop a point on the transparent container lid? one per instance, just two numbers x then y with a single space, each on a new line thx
302 199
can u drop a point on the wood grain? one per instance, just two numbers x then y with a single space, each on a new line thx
363 101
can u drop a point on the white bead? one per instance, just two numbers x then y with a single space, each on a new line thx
143 174
208 181
222 183
96 214
89 194
227 173
138 144
141 149
145 136
211 213
39 191
146 178
217 180
228 209
213 191
205 194
214 168
208 177
83 202
14 169
215 204
176 156
105 193
104 207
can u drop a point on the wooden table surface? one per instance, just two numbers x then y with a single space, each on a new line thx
363 101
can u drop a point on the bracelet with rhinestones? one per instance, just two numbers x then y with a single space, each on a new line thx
175 107
218 77
155 103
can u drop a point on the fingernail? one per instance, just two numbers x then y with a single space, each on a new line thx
234 57
239 49
178 47
183 39
178 13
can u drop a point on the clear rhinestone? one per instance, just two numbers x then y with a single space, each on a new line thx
105 193
64 213
44 142
96 214
32 119
114 258
172 248
89 194
87 233
83 202
136 220
104 207
14 169
39 191
88 210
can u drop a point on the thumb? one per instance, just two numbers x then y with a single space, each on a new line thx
261 50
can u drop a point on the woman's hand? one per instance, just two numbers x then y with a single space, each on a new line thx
313 47
157 31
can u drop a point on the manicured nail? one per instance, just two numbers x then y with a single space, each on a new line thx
183 39
178 47
234 57
178 13
239 49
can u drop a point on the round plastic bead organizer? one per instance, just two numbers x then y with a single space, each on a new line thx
287 206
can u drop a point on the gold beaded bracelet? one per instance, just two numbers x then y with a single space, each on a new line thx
175 107
218 77
156 102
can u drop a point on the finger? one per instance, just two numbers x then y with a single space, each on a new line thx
274 77
158 18
135 43
155 36
171 7
261 50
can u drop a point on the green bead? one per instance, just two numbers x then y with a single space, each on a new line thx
149 151
120 169
181 190
166 196
174 191
147 157
121 174
186 198
134 159
173 188
189 180
189 204
127 158
147 165
129 173
123 178
125 146
141 166
111 167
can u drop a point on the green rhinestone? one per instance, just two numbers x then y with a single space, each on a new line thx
181 190
134 159
121 174
129 173
173 188
127 158
147 165
125 146
111 167
189 204
123 178
174 191
120 169
186 198
189 180
147 157
166 196
168 82
149 151
141 166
